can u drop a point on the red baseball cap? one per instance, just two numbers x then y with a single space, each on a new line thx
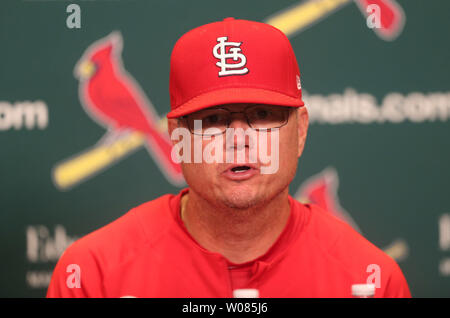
233 61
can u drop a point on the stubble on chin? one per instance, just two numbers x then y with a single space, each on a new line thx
241 199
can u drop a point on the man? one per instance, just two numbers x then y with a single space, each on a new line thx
236 227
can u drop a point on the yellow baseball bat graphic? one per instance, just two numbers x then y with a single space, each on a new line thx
300 16
398 250
84 165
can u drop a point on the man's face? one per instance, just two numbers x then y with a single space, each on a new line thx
224 183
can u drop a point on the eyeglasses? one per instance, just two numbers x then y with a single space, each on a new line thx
215 121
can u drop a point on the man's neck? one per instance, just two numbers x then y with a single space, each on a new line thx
239 235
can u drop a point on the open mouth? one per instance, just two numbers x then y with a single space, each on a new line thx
240 169
241 173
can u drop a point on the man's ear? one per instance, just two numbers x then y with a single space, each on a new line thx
303 122
172 123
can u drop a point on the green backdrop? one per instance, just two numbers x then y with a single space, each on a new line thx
379 134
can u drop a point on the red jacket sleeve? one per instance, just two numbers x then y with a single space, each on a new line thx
397 287
77 274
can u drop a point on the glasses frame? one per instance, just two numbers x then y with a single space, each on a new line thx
288 113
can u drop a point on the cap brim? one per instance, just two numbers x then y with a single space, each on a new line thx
233 96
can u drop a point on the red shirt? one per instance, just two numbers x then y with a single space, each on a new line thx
149 253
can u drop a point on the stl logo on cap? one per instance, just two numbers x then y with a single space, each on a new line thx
235 53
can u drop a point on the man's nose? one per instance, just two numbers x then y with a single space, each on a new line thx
237 137
238 120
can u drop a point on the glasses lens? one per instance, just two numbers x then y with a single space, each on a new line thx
266 117
213 121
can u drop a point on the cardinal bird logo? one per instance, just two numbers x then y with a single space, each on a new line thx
114 100
391 15
304 14
322 190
